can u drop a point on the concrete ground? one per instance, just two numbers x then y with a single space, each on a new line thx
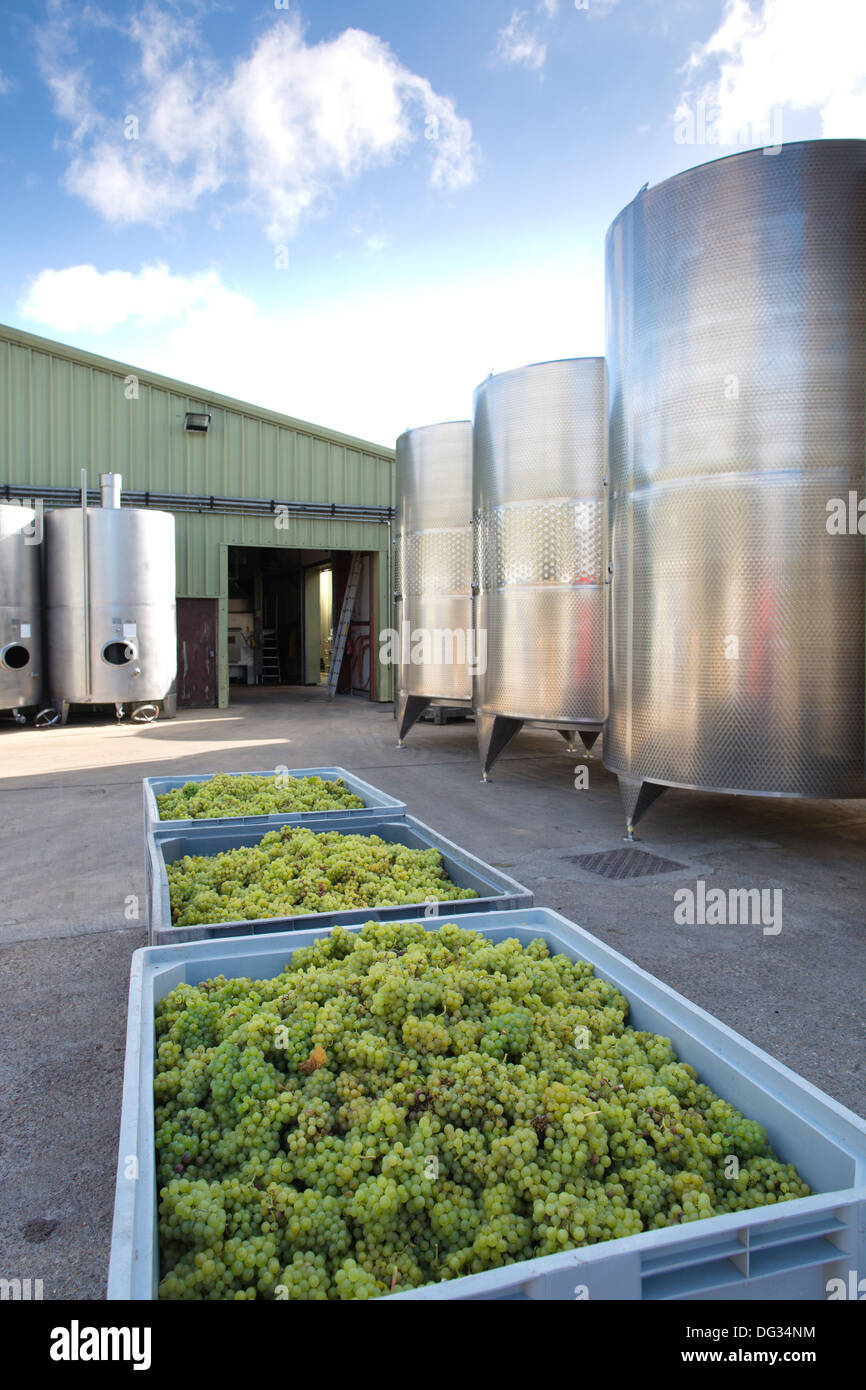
72 853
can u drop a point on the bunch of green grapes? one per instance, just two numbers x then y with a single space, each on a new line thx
293 871
401 1107
227 795
507 1033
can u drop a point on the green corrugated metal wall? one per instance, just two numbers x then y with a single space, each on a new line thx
62 410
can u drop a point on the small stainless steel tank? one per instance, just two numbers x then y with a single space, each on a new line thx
110 590
20 608
540 459
736 344
433 570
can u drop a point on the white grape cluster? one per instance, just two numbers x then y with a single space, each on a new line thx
402 1106
293 870
226 794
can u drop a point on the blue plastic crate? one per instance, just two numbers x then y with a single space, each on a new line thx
375 801
495 889
788 1251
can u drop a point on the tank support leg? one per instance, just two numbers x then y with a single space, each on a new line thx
494 732
169 705
409 708
637 797
568 735
588 738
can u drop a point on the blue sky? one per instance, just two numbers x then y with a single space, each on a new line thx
352 212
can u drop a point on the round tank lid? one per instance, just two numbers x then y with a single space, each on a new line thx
530 366
440 424
726 159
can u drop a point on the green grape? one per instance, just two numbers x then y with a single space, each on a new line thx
401 1107
247 795
294 871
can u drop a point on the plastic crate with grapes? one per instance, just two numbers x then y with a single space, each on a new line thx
298 794
232 879
495 1107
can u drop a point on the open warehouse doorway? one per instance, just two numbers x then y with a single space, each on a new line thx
283 606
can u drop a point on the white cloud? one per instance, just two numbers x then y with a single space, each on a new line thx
285 125
518 45
82 299
198 329
5 83
550 7
785 53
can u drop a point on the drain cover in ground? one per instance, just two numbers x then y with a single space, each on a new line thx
624 863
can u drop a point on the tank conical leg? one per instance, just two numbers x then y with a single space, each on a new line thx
409 708
494 732
637 797
568 735
588 738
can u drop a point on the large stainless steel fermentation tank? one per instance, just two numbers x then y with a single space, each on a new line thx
110 606
433 570
736 343
539 483
20 609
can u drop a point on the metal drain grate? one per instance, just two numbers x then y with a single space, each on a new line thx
624 863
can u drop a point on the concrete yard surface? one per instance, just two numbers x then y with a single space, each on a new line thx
71 915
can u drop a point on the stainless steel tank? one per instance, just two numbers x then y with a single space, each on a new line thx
110 606
20 608
433 570
736 344
539 484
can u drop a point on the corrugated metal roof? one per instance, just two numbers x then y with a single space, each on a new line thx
194 395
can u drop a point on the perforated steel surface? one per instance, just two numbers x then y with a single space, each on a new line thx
433 562
433 559
737 358
539 541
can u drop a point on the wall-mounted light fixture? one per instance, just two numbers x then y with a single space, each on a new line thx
195 423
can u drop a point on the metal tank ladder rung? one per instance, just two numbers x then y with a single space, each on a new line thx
342 633
270 659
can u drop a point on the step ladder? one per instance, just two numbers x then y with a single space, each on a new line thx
270 659
342 633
